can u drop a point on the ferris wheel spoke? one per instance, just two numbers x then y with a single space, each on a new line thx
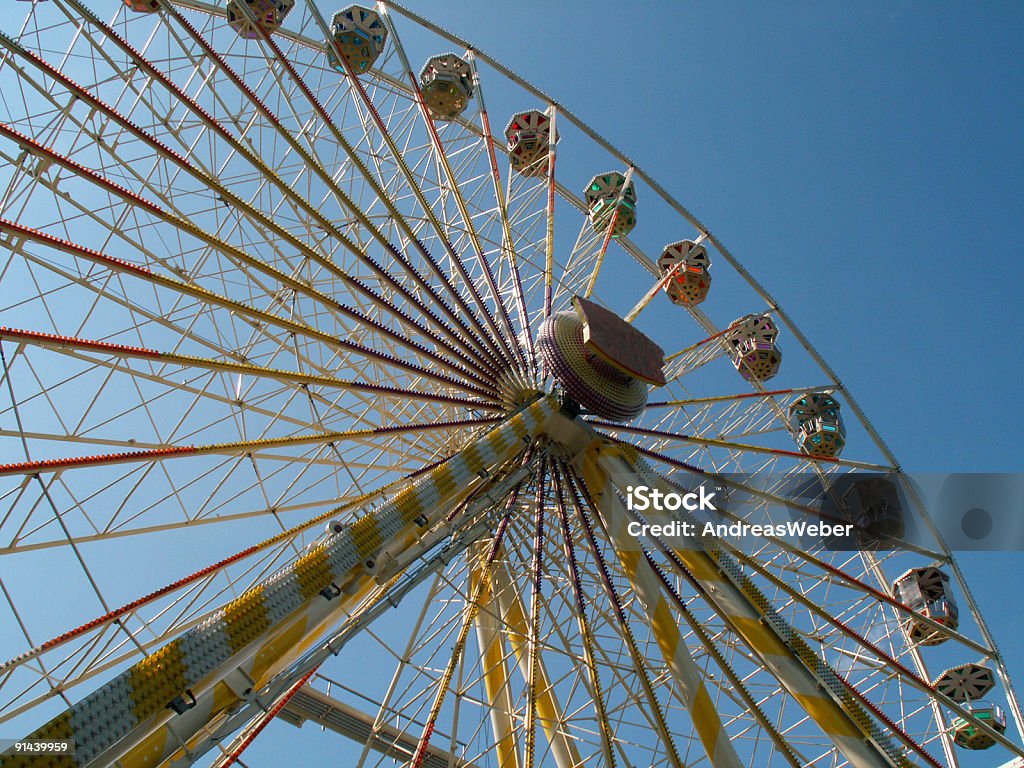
122 530
738 396
241 257
134 307
235 201
536 597
573 274
18 231
126 520
391 335
470 616
467 218
549 232
396 154
524 198
144 316
508 240
609 232
124 352
317 166
25 537
243 448
725 417
80 435
711 442
561 473
639 662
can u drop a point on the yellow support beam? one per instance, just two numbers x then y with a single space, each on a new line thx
493 655
144 715
684 670
812 683
517 628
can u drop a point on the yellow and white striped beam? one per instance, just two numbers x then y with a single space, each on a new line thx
133 721
517 627
645 583
814 684
493 656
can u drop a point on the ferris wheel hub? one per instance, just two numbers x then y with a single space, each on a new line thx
602 362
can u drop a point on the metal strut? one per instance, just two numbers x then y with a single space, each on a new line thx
600 707
608 233
508 242
396 154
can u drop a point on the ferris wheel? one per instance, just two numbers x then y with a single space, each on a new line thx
325 400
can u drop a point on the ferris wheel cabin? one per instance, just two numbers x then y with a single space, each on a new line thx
528 134
611 202
690 268
251 17
817 424
446 82
752 347
926 591
359 33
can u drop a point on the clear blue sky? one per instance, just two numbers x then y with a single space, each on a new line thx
863 160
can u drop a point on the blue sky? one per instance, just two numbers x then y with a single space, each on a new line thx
861 162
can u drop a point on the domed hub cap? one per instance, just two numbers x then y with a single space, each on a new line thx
600 360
